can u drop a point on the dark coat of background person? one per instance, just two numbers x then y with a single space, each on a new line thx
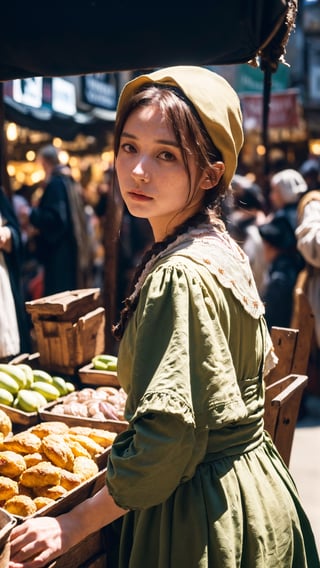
13 262
62 243
310 170
283 271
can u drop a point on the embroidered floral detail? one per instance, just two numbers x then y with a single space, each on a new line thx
189 236
228 263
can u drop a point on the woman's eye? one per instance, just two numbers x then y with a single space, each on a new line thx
126 147
167 156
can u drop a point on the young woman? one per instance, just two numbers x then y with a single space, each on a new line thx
14 328
195 477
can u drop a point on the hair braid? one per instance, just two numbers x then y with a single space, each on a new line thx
131 304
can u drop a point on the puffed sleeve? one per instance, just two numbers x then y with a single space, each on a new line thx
182 383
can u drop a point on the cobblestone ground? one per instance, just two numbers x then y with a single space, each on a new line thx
305 467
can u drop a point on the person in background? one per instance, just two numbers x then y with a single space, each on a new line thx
286 188
14 331
63 244
284 265
249 211
31 269
134 239
104 190
308 244
195 480
108 210
310 171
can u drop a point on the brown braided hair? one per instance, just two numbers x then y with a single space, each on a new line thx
193 140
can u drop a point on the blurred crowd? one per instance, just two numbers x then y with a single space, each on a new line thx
56 240
280 232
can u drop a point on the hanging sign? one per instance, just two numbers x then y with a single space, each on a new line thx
63 97
284 110
28 91
100 90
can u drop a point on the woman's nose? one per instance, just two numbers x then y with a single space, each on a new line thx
140 173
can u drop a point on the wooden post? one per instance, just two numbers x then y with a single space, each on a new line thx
4 177
112 225
265 116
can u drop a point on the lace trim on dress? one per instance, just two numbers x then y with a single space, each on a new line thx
164 402
215 249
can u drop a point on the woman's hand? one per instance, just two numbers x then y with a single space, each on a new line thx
38 541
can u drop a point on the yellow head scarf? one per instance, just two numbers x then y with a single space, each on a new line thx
215 100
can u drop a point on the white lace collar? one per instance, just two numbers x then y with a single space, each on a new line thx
214 248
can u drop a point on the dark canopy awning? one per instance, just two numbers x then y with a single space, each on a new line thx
76 37
79 37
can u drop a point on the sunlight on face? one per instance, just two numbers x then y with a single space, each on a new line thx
152 176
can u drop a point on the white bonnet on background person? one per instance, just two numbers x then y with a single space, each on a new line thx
290 184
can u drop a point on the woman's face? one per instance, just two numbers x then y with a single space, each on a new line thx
276 197
152 176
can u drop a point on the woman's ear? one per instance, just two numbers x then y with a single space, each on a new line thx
212 175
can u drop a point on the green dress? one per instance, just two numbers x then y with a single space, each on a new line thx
203 482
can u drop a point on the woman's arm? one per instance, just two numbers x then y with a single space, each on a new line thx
38 541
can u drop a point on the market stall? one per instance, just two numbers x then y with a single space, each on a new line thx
84 37
60 409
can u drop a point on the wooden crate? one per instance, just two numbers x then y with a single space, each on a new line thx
19 417
90 549
7 522
64 346
32 359
47 414
69 333
69 305
89 553
74 497
90 376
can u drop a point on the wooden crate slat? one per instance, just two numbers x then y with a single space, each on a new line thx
65 305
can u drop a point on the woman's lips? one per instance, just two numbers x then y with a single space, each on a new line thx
139 196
